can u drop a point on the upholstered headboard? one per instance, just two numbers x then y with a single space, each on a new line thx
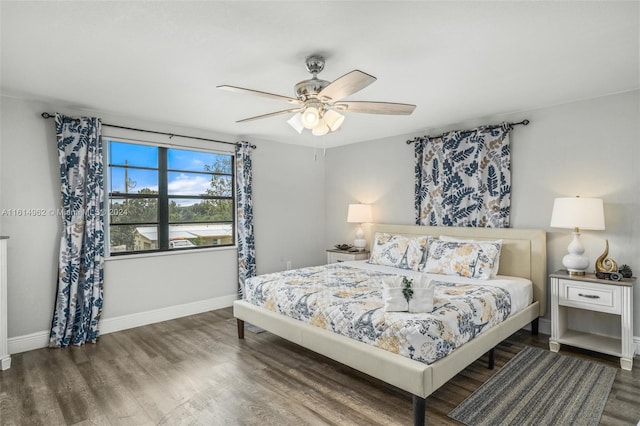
524 251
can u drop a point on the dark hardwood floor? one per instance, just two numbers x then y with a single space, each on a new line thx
194 371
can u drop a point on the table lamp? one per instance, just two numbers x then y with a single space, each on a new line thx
575 213
359 213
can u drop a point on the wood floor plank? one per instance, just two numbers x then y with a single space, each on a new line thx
194 371
114 396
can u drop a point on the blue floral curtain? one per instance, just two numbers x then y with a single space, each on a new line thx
463 178
80 272
244 230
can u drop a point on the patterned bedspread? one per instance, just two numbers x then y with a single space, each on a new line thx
348 301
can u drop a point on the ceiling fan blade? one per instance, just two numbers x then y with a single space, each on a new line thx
390 108
271 114
346 85
259 93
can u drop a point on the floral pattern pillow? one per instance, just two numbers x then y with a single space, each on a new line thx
399 251
496 266
466 259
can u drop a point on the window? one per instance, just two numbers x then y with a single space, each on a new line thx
168 199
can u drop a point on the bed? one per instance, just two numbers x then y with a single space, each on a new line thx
523 255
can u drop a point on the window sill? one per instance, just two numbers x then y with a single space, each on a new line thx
168 253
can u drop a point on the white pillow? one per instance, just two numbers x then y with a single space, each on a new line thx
421 300
423 292
394 300
496 266
399 251
392 295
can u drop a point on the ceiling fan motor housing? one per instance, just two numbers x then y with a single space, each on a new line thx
307 89
310 88
315 64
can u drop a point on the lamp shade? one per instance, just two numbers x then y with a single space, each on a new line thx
310 117
359 213
296 122
320 129
577 212
333 119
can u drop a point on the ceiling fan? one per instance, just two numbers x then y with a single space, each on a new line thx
318 102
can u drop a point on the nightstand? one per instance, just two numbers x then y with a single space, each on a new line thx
335 255
611 301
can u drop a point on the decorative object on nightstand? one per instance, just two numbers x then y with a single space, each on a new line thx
609 301
625 271
359 213
613 276
576 213
607 268
604 263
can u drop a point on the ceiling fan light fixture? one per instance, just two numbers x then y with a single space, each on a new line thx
321 129
310 117
333 119
296 122
319 101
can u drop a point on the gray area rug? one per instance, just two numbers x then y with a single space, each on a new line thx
538 387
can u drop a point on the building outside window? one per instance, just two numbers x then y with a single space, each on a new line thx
163 199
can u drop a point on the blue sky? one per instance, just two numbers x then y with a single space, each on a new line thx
147 156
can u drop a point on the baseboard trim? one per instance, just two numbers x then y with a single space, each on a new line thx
111 325
40 339
544 326
28 342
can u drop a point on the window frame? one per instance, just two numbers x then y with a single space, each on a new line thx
164 198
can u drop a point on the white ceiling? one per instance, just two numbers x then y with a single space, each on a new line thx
455 60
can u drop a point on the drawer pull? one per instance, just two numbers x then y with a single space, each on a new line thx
589 296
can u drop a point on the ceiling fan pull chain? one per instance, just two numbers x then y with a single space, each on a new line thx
315 149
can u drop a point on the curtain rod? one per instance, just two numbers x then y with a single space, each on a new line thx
47 115
523 123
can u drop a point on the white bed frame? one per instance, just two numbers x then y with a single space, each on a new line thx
523 255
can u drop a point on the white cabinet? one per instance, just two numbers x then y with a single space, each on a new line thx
335 256
5 358
610 300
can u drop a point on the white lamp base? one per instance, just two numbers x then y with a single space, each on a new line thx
575 262
360 243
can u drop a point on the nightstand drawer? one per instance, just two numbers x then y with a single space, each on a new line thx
334 256
341 257
594 297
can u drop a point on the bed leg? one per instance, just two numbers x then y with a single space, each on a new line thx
240 328
534 327
492 358
418 410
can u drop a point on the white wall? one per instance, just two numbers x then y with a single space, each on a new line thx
300 203
289 226
588 148
288 206
29 175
